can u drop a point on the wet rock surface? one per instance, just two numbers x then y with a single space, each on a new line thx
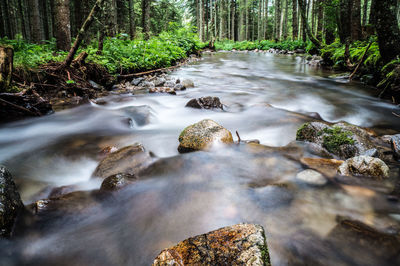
365 166
205 103
10 202
117 181
203 135
311 177
395 143
128 160
341 139
242 244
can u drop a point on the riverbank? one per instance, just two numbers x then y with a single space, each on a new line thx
362 62
40 80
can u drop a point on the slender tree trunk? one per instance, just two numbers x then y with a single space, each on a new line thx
372 13
267 33
82 31
132 27
6 67
277 20
45 19
146 19
201 20
387 29
365 13
295 25
233 20
345 20
320 24
307 27
246 10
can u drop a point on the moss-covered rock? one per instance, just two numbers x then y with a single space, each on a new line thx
365 166
202 136
341 139
241 244
116 182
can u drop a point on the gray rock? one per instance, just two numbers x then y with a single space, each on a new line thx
147 84
169 84
371 153
159 82
241 244
140 115
202 136
179 87
137 81
395 142
188 83
205 103
364 166
311 177
10 202
95 85
128 160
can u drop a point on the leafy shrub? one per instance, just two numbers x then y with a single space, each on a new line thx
229 45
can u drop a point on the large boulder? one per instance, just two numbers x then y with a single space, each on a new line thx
242 244
128 160
365 166
341 139
205 103
203 135
10 202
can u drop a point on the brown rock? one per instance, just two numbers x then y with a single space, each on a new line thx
365 166
128 160
242 244
326 166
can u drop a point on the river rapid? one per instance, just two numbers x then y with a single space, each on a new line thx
190 194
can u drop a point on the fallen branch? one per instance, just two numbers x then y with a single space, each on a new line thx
361 61
148 72
237 134
395 114
18 107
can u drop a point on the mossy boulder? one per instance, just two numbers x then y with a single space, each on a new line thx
202 135
10 202
116 182
241 244
364 166
341 139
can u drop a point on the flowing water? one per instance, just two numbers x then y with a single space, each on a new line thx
190 194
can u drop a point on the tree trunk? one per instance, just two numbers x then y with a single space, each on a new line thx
277 36
320 24
345 20
6 67
387 30
365 13
307 27
132 27
36 29
146 19
372 12
62 25
285 14
295 26
356 32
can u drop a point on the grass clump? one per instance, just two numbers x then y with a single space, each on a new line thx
335 137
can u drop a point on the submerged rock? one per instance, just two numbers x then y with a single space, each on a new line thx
202 135
311 177
179 87
341 139
242 244
10 202
365 166
328 167
163 90
128 160
117 181
205 103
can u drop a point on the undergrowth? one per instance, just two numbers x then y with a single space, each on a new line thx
229 45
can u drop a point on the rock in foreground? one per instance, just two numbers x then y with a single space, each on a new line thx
205 103
365 166
242 244
202 135
395 142
10 202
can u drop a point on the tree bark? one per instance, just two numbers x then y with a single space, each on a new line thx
146 19
387 30
365 13
36 29
295 26
345 20
62 25
6 67
320 24
132 27
356 32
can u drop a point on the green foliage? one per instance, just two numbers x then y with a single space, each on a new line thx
119 53
336 137
28 55
229 45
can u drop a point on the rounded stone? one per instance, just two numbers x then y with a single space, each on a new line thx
311 177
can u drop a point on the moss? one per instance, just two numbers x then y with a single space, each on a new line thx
300 131
336 137
264 251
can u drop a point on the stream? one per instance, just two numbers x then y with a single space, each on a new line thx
190 194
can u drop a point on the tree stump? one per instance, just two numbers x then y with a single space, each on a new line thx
6 67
